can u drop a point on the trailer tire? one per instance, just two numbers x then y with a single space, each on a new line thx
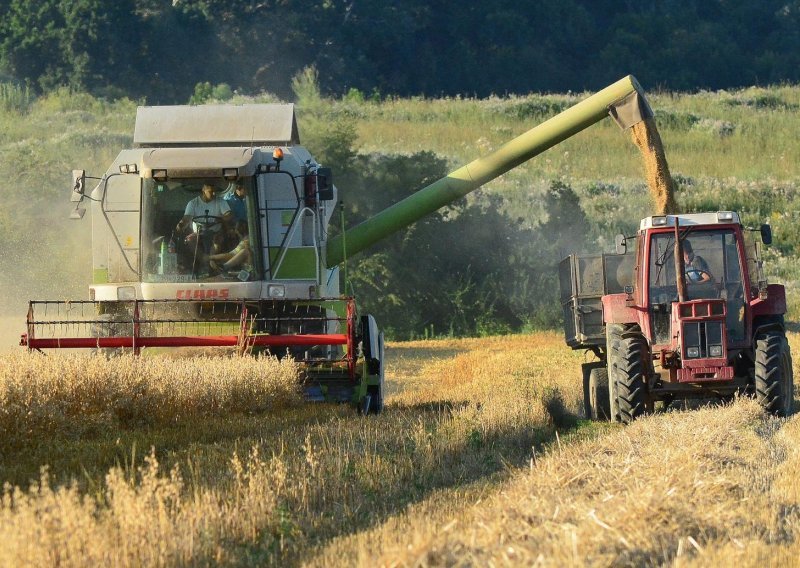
595 391
626 373
774 378
599 397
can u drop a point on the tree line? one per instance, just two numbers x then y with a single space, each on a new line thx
161 49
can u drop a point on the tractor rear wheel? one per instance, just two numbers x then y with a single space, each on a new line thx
774 378
627 366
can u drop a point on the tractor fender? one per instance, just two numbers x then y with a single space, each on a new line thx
774 305
617 310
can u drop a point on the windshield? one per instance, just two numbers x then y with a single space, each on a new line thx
198 230
712 270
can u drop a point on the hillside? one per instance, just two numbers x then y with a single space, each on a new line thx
480 457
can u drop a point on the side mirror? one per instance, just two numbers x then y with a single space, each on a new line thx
78 185
325 184
766 234
620 244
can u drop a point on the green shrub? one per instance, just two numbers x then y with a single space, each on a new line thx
15 98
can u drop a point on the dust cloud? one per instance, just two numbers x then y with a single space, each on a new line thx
662 190
52 263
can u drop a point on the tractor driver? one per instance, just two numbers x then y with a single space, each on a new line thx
695 267
208 213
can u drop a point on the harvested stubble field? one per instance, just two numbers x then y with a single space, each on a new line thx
481 458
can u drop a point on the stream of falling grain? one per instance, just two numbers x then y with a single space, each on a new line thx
662 190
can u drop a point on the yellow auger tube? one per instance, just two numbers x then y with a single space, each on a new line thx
624 101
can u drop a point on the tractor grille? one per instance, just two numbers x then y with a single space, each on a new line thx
703 340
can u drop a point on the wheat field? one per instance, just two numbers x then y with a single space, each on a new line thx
481 458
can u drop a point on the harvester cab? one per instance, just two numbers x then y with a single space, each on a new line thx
213 230
687 313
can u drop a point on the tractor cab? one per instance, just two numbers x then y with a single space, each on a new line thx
715 263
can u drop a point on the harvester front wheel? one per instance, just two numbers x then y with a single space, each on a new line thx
627 366
774 378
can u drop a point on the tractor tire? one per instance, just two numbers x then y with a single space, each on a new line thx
627 366
774 378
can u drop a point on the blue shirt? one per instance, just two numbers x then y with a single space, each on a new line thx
238 205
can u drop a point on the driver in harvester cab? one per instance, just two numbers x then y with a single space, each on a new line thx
696 267
208 214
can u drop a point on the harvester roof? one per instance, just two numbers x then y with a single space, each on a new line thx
689 219
216 125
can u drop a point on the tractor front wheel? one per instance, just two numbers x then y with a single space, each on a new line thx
774 379
627 373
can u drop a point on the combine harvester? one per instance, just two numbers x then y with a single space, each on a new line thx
157 281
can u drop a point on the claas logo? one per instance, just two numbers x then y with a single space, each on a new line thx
198 294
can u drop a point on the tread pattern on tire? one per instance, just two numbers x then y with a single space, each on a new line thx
773 360
626 374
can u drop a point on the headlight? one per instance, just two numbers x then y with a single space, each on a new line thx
659 221
126 293
715 350
276 291
725 216
693 352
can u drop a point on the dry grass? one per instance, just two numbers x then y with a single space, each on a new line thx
466 422
714 487
463 468
77 395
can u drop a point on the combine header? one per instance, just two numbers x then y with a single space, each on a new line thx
213 231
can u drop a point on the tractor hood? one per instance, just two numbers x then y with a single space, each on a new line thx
200 162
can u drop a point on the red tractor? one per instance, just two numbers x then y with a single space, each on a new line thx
686 314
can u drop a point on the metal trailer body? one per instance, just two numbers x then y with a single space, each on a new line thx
658 336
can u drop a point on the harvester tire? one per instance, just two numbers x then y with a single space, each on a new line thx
774 378
375 392
626 373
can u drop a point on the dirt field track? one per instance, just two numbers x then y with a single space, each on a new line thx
481 458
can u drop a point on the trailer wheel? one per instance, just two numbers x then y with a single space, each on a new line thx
598 393
626 373
774 378
595 391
